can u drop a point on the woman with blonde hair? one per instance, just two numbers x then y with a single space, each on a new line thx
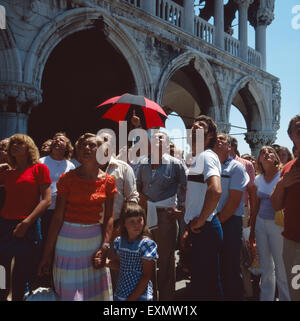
27 185
268 236
81 229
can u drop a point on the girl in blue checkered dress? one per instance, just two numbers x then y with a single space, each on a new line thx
136 255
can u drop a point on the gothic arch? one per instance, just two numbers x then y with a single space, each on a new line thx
9 57
81 19
259 118
203 68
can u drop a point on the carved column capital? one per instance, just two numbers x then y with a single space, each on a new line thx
243 3
19 97
258 139
264 17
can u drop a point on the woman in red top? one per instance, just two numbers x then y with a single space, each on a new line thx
27 185
81 228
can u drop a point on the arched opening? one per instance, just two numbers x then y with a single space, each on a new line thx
187 94
82 71
176 130
251 107
247 101
238 129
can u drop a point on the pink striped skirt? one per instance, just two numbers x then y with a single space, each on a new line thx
74 276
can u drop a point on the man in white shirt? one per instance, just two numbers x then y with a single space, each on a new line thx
58 163
204 228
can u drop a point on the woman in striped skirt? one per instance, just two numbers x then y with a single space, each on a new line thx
81 228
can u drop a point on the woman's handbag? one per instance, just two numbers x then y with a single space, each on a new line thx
279 218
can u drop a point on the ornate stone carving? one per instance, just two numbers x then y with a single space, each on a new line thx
258 139
23 8
276 105
21 94
264 15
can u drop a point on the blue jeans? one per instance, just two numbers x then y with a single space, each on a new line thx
205 262
231 259
26 253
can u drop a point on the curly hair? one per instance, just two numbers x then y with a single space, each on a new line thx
278 163
69 148
32 150
212 128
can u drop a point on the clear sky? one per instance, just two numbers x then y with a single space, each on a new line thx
283 61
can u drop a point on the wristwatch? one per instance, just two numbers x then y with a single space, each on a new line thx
107 245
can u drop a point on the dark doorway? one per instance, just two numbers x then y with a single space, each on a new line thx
81 72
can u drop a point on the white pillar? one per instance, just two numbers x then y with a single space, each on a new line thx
219 23
189 16
149 6
243 27
265 16
260 43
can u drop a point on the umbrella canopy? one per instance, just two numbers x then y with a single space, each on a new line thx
123 107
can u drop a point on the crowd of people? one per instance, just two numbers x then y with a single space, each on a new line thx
109 231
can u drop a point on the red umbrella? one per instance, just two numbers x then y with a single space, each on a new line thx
121 108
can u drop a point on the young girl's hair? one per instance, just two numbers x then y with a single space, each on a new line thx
132 209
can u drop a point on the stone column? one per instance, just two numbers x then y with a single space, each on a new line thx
189 15
264 18
260 19
219 23
257 140
16 103
149 6
223 127
243 27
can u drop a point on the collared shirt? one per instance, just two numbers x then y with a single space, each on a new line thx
205 165
164 182
125 182
233 177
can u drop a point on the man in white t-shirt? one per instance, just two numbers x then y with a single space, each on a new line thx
204 228
58 163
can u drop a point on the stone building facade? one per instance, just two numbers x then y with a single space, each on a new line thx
60 58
